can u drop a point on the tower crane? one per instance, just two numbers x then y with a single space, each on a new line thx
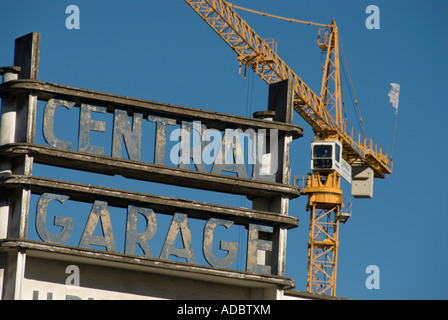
338 149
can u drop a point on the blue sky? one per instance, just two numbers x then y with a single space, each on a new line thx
162 51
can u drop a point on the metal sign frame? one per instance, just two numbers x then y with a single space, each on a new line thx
267 222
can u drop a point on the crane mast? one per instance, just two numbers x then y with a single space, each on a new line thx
322 112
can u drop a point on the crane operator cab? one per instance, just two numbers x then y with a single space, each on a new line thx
326 155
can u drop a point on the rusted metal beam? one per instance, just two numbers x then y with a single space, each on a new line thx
148 171
221 121
144 264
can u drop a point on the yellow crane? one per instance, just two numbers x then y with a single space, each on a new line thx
338 149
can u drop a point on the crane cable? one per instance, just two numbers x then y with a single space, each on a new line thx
312 24
278 17
353 90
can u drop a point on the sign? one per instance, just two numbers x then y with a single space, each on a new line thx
99 219
346 170
130 243
193 142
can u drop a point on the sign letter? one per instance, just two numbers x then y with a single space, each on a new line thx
231 141
99 211
132 137
190 132
210 146
179 223
48 123
230 247
141 238
265 162
159 156
86 124
41 219
254 244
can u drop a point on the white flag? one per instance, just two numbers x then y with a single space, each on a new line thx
394 95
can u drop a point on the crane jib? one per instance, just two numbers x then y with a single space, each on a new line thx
254 52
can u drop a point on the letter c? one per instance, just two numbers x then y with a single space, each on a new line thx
48 123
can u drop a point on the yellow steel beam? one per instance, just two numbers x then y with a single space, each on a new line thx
254 52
